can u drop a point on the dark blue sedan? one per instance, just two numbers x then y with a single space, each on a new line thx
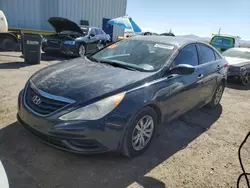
117 98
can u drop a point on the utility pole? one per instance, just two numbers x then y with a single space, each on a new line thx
219 31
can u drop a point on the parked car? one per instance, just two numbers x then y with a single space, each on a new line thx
73 40
239 61
120 96
224 42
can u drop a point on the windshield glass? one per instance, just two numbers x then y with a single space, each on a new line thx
223 41
85 30
144 55
240 53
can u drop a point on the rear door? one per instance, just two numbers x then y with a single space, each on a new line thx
208 69
92 41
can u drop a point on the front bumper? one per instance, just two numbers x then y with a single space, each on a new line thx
236 74
86 137
68 50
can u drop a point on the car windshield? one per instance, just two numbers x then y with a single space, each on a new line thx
240 53
141 54
85 30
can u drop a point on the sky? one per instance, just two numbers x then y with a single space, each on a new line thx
199 17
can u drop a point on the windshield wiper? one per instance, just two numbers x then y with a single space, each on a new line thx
91 58
115 64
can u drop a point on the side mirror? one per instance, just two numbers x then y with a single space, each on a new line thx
91 35
182 69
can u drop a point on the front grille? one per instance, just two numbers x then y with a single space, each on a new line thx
54 44
46 105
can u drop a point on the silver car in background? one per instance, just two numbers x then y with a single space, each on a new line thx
239 61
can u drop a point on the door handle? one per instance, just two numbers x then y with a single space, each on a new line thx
218 66
200 76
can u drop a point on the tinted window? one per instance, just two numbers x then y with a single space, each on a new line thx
98 31
92 31
206 54
217 56
188 55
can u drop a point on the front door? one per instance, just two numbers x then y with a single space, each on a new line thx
182 90
107 28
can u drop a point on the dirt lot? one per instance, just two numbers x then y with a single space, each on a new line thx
197 150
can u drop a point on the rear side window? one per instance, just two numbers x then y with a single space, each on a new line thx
98 32
217 56
188 55
206 54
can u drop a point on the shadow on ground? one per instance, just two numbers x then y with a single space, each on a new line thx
238 86
30 163
13 65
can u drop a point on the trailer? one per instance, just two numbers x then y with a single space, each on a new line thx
10 37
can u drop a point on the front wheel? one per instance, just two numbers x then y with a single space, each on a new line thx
217 96
139 133
81 50
245 80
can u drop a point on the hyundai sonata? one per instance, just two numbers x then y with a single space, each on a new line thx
119 97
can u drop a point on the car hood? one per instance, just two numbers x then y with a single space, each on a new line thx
82 80
63 24
234 61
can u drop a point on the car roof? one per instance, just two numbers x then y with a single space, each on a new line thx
177 41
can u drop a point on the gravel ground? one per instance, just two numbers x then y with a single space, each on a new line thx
197 150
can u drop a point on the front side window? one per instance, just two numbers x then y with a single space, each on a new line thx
144 55
188 55
206 54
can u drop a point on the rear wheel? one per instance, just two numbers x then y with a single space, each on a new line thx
81 50
245 80
139 133
217 96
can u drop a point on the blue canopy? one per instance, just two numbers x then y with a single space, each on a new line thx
126 23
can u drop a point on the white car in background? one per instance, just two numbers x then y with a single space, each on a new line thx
239 61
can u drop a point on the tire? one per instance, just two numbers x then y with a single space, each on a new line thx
129 147
81 50
245 80
8 44
100 45
217 96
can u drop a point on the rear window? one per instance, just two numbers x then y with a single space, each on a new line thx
223 41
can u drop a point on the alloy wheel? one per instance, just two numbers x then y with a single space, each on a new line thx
218 94
246 79
81 51
142 133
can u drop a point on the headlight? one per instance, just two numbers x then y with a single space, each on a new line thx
96 110
237 69
242 68
70 42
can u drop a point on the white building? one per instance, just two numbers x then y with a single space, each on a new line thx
33 14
